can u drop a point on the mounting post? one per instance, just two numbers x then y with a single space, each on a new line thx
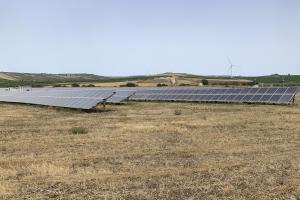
294 99
104 100
104 104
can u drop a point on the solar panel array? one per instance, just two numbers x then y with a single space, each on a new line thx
83 99
119 96
270 95
87 98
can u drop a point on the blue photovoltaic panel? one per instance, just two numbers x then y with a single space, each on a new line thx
265 98
292 90
271 90
271 95
120 95
286 98
83 99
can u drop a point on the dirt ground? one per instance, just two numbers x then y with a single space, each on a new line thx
151 150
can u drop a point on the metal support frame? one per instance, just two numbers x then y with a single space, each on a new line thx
104 100
104 104
294 97
128 98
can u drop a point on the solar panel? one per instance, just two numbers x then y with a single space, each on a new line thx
286 98
120 95
268 95
265 98
83 99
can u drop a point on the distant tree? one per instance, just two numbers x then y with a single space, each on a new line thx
204 81
161 85
129 84
255 82
89 85
37 85
184 84
75 85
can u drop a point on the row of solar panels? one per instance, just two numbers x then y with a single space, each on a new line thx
270 99
219 91
69 98
87 98
270 95
82 103
117 97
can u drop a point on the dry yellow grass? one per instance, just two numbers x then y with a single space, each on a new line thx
179 81
6 77
149 82
145 150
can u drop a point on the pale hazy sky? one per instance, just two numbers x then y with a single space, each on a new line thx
127 37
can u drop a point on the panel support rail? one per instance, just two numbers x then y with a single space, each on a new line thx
104 101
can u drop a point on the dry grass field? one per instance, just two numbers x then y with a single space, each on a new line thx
144 150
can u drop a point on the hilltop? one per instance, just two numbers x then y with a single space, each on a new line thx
10 79
44 76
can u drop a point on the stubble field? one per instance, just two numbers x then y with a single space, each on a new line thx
151 150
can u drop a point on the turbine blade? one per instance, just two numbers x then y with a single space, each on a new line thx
229 60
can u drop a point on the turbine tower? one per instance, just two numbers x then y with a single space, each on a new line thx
231 66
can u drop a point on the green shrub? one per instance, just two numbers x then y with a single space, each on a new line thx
78 130
184 84
75 85
89 85
161 85
129 84
204 81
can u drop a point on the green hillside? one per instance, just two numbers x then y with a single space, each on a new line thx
288 80
12 79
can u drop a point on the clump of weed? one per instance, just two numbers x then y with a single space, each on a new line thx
78 130
178 112
123 114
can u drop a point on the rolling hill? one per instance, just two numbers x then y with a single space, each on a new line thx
13 79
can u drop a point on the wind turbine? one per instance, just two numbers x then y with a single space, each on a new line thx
231 66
